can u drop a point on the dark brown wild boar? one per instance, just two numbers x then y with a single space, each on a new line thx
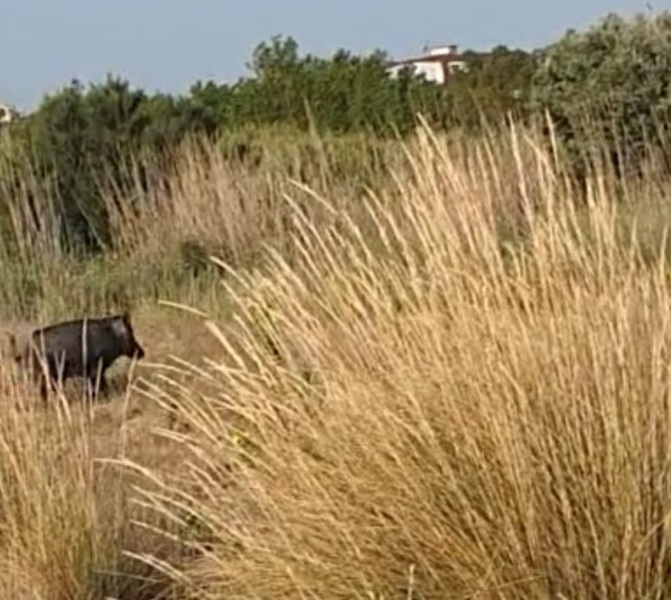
66 352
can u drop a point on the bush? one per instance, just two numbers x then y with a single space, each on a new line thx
613 79
80 139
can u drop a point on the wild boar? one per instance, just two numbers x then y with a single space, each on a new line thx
79 348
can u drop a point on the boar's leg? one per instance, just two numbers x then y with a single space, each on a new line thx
93 378
45 381
103 387
43 389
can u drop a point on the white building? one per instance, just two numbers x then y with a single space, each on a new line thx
435 63
8 114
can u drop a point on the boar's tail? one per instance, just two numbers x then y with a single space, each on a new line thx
13 348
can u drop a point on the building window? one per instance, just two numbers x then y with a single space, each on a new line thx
457 66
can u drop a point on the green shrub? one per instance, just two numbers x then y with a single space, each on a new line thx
609 83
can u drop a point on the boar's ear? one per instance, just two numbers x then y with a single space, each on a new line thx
120 326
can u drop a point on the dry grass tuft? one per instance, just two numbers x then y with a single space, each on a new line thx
453 384
435 417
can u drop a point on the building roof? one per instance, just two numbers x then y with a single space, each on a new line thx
446 53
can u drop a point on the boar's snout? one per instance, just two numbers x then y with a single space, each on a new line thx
133 350
124 331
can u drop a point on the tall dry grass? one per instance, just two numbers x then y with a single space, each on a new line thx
437 417
65 521
452 384
166 215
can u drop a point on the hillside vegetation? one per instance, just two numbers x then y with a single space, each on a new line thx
415 349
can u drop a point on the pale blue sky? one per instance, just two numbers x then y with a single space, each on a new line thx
169 44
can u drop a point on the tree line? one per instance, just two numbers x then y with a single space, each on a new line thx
618 72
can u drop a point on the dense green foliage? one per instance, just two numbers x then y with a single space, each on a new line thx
348 93
611 81
616 75
79 137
